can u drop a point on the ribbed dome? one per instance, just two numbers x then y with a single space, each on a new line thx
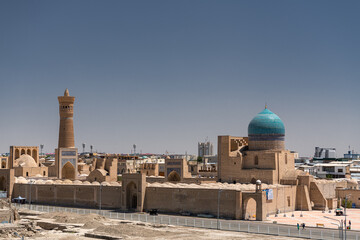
266 122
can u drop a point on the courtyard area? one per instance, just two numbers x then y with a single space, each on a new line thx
312 218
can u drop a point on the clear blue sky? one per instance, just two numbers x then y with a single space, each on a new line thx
167 74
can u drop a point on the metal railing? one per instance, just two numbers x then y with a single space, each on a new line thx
227 225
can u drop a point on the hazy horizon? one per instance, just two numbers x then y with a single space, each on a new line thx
165 75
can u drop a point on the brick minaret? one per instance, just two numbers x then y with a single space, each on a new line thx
66 130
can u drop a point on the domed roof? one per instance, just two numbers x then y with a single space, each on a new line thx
266 122
25 161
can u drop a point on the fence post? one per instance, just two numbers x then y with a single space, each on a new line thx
248 227
124 216
203 223
177 221
268 230
278 231
321 234
258 228
146 218
239 227
310 233
185 221
169 220
194 222
289 232
161 219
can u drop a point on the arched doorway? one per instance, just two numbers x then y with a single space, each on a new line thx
131 196
2 184
68 171
17 153
174 177
22 151
28 152
3 164
250 209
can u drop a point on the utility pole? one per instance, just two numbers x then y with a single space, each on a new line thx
100 198
301 196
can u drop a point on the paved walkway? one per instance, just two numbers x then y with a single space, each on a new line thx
311 218
267 227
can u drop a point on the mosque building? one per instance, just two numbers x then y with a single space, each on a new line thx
260 156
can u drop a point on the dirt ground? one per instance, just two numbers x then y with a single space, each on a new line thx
71 226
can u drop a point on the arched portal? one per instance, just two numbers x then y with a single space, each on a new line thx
22 151
2 184
250 206
17 153
174 177
131 196
3 164
28 152
68 171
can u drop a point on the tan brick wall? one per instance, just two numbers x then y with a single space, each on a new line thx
70 195
267 145
170 200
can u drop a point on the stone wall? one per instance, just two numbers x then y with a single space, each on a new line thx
303 202
194 201
284 199
353 195
70 195
264 145
31 171
316 196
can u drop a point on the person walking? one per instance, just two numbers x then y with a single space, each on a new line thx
303 225
298 226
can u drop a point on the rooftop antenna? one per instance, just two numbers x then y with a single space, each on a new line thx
134 146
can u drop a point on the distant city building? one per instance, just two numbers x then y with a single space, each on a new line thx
331 170
352 155
321 153
205 149
182 156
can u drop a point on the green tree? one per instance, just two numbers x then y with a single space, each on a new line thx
348 203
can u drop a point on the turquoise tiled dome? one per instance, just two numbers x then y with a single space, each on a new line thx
266 123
